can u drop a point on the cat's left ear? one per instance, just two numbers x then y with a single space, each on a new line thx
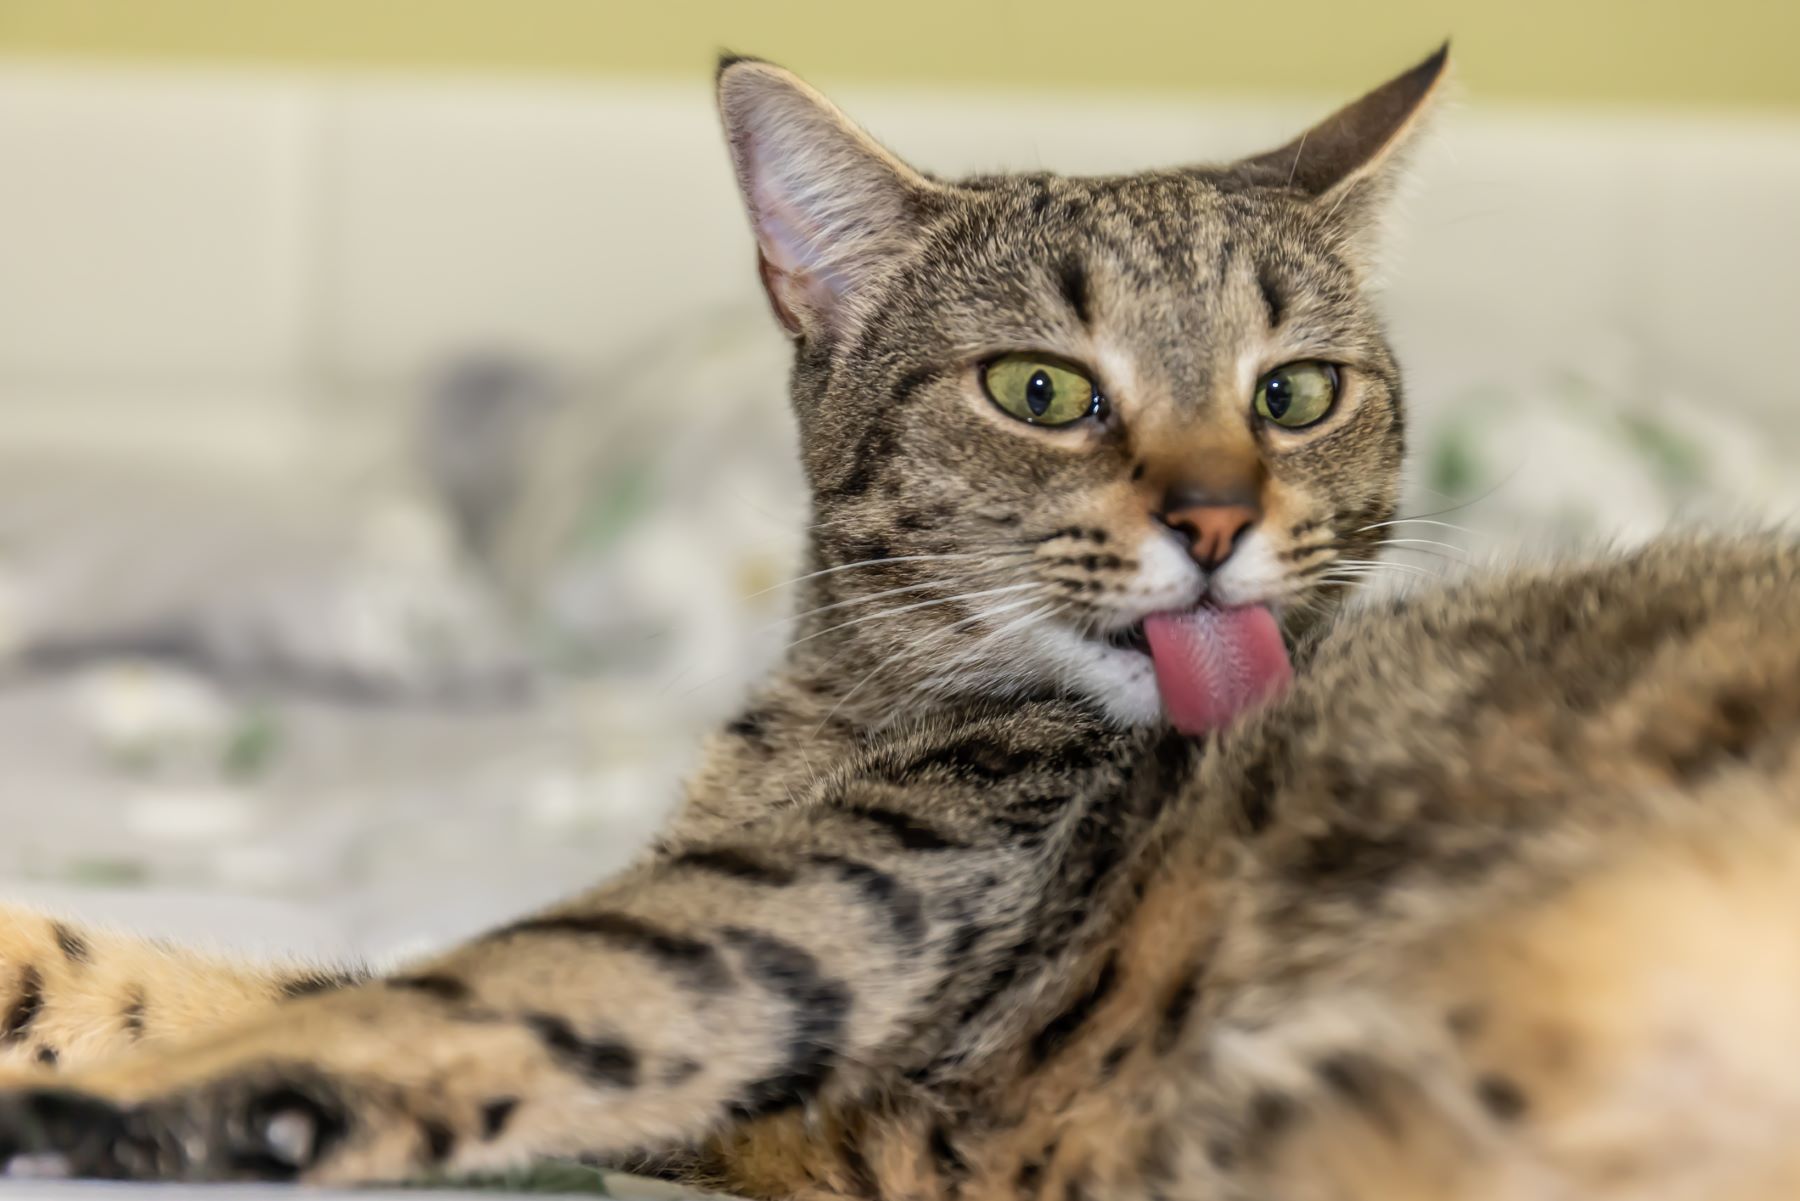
1350 162
831 207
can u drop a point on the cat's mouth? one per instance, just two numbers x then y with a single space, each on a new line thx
1130 638
1212 663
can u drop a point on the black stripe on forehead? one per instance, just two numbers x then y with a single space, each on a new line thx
1274 296
1073 279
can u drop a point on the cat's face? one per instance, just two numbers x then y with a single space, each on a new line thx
1035 410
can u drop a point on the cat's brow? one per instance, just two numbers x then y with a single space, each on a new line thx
1272 296
1074 281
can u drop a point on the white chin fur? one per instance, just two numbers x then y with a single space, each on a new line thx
1121 682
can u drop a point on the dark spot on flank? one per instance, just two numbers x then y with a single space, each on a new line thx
47 1056
1222 1154
950 1163
439 1140
1271 1113
325 980
602 1060
1344 856
433 984
1501 1097
912 834
1465 1021
1256 792
1354 1080
734 863
1029 1177
24 1009
1115 1059
74 947
495 1115
1074 283
1345 1076
699 962
1063 1026
1173 1022
1137 472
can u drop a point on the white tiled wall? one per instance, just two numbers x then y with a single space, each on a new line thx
265 247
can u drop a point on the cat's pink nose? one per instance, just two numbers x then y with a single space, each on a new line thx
1212 531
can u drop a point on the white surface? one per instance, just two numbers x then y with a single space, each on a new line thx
152 224
293 235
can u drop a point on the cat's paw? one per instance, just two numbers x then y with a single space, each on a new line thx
275 1124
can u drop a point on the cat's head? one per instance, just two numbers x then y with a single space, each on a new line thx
1035 410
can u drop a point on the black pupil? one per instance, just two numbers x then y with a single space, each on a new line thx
1039 392
1278 394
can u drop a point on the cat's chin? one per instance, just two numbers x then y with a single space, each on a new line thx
1119 679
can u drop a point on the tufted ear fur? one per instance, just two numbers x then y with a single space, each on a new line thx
830 206
1349 162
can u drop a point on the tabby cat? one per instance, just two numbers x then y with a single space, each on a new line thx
1489 902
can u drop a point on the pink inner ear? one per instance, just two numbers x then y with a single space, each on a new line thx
792 262
775 286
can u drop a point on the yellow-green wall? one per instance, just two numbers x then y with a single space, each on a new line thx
1666 52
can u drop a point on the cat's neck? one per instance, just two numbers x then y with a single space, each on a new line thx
793 730
840 683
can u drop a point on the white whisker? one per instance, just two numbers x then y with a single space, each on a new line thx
899 609
915 648
1448 525
801 579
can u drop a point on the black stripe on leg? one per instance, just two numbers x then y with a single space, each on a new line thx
697 960
433 984
902 905
322 980
603 1060
818 1006
25 1007
495 1115
440 1140
74 947
132 1016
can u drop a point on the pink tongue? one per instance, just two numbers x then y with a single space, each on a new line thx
1212 664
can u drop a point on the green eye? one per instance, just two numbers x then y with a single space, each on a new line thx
1297 394
1041 392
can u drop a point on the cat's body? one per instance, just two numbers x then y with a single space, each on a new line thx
1477 910
1498 902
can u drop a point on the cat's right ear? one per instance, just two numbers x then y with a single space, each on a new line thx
1349 162
830 206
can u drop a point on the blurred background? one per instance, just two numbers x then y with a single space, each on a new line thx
395 477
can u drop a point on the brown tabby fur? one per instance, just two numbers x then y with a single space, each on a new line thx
1493 904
